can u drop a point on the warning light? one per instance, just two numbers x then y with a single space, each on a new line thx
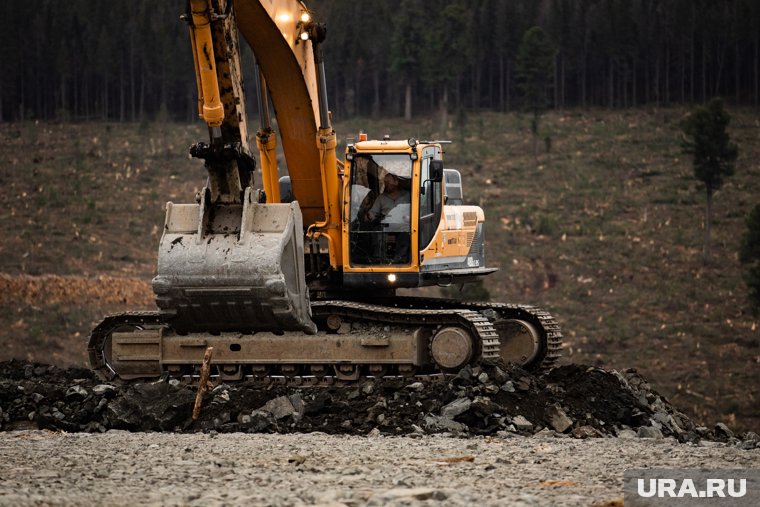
362 136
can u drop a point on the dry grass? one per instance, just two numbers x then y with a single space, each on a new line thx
604 230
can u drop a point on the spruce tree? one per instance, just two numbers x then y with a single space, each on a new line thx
714 155
535 74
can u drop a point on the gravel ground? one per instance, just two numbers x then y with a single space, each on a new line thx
122 468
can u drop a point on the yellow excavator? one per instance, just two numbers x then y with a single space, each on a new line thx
300 284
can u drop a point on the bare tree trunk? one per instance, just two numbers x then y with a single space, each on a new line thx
506 87
408 101
610 86
737 72
634 88
142 94
132 89
667 75
445 109
691 67
704 70
563 83
502 83
708 226
376 97
122 105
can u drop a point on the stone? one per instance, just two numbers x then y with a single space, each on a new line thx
416 386
297 402
456 407
523 384
483 378
498 375
627 433
435 423
465 373
508 387
374 433
558 419
76 392
586 431
279 407
257 421
722 431
484 407
649 432
103 389
522 424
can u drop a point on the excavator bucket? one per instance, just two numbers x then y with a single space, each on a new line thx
233 267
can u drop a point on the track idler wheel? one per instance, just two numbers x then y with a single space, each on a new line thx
520 341
451 348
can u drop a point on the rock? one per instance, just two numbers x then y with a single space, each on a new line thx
558 419
465 373
76 392
456 407
508 387
416 386
154 406
257 421
498 376
484 407
522 424
279 407
298 404
722 431
483 378
586 432
627 434
374 433
649 432
103 389
435 423
523 384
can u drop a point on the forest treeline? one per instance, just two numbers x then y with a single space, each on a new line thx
130 60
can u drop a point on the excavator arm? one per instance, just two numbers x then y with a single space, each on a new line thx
231 262
285 40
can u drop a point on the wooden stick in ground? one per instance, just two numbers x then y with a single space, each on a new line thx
203 383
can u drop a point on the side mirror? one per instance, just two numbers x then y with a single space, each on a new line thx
436 170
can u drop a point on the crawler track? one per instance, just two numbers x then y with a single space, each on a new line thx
402 316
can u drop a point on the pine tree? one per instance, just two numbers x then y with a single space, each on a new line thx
750 254
714 155
535 74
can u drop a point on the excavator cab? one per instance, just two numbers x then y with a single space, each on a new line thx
380 211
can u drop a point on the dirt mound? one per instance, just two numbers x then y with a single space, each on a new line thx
54 289
491 400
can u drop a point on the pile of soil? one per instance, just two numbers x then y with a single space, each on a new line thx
492 399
